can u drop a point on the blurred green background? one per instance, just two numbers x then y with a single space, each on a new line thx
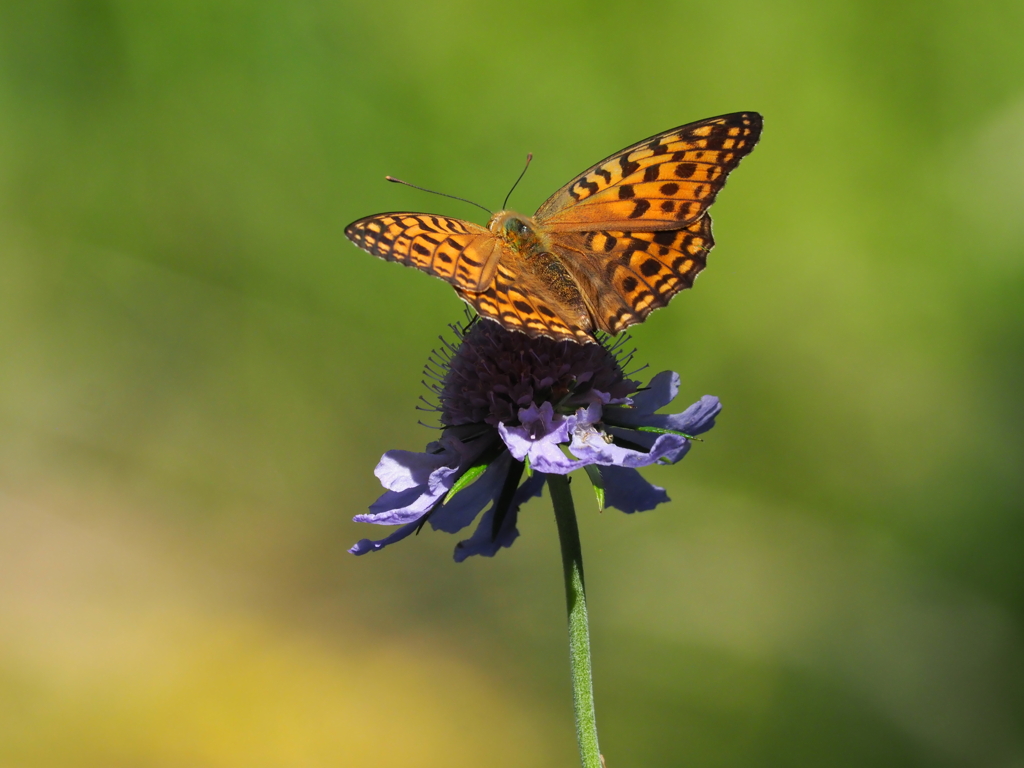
198 374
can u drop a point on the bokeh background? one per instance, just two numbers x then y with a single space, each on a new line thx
198 374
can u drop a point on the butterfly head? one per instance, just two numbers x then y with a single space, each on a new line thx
517 231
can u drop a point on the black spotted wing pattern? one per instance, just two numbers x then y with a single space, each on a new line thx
664 182
463 253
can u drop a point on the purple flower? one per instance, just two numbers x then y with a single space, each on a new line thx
513 407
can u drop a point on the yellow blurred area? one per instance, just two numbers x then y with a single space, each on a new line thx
113 653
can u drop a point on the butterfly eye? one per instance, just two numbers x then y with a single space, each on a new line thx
516 226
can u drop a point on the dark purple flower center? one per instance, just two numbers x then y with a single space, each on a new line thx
493 373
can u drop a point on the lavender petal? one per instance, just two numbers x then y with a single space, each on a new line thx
363 546
398 508
467 503
481 543
591 447
661 391
401 470
628 491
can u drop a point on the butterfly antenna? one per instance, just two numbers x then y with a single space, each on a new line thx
529 157
442 194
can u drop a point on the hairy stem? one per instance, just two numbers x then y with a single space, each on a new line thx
579 634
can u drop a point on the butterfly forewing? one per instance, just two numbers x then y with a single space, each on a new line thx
463 253
665 182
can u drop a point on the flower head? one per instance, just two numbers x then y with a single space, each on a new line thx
511 407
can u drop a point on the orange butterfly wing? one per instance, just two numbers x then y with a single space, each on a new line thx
521 301
461 252
627 275
634 229
665 182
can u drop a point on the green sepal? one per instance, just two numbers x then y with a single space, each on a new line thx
529 467
594 473
465 479
478 467
662 431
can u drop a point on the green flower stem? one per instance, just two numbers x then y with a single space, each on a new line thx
579 634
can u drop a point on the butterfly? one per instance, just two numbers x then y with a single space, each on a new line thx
603 252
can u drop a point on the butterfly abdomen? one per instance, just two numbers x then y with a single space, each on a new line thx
550 270
554 293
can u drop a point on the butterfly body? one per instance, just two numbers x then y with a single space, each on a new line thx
519 233
531 265
615 243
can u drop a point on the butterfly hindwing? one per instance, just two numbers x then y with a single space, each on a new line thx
664 182
519 301
463 253
627 275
